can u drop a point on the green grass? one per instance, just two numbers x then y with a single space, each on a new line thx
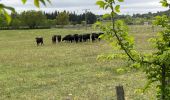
58 72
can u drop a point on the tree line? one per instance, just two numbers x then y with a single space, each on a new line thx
38 19
138 19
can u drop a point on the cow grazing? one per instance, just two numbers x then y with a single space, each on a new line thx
68 38
76 38
80 38
86 37
94 36
39 40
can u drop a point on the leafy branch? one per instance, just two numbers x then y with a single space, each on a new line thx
157 64
4 8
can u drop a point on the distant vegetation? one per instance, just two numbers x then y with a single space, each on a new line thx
38 19
140 19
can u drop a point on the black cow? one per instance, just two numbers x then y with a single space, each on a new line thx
80 38
86 37
76 38
68 38
59 38
39 40
94 36
54 39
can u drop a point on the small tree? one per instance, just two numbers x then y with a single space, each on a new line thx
157 64
62 18
33 19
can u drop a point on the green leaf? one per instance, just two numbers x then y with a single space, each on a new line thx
24 1
121 0
106 6
101 4
8 17
110 1
3 9
43 2
36 3
7 7
105 16
10 8
164 3
117 8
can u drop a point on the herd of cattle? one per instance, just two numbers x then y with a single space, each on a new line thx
71 38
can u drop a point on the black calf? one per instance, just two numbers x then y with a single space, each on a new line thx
39 40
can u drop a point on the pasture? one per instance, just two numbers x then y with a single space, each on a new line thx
67 70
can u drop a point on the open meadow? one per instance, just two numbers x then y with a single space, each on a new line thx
67 70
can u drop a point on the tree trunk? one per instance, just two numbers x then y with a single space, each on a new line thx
120 93
163 82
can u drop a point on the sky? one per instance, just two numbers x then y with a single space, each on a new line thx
128 7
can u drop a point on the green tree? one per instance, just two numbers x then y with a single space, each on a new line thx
51 22
62 18
33 19
91 18
155 65
16 21
3 22
128 20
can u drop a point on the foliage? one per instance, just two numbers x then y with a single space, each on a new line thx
74 18
91 18
161 72
33 18
3 22
37 2
62 18
4 8
18 19
157 64
164 3
135 19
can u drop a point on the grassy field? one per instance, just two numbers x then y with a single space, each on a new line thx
62 71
